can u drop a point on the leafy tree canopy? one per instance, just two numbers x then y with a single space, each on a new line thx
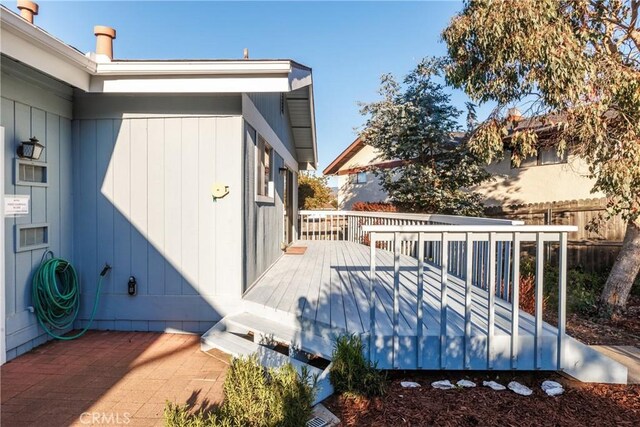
575 65
314 193
414 122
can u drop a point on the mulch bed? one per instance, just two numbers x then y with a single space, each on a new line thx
623 330
581 405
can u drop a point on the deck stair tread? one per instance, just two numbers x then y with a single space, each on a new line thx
300 338
222 337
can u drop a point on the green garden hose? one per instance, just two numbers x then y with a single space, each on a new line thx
56 296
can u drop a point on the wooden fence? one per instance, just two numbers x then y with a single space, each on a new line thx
593 251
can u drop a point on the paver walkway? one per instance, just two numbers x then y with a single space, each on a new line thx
109 378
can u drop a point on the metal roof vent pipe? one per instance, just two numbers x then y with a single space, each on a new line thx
104 41
28 10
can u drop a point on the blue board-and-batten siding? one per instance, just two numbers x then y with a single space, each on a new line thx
34 105
144 186
263 221
276 114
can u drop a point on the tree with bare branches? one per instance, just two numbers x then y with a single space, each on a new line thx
574 64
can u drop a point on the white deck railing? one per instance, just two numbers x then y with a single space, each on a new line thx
349 226
470 240
480 252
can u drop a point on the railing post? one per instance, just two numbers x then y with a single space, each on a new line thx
444 279
515 301
539 299
372 296
396 295
467 300
491 289
562 298
420 298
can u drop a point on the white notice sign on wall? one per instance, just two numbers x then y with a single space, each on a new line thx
16 205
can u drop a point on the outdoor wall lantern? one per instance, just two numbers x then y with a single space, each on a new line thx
31 149
283 170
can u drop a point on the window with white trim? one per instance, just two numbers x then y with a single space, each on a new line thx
264 171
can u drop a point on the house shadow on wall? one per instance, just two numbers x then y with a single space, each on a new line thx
143 205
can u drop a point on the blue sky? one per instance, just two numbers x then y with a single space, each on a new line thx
348 44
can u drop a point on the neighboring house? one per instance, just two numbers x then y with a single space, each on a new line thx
544 189
529 183
356 183
179 174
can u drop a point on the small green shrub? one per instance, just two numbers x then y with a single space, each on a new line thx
351 372
583 288
255 397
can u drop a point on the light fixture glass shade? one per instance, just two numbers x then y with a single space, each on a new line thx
31 149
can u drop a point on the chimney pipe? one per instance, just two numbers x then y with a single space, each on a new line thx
28 10
246 53
104 40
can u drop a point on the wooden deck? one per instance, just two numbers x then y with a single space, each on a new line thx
329 284
325 292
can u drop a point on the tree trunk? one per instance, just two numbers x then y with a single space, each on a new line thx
616 291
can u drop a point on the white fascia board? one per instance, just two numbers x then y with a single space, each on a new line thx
200 84
299 78
222 68
312 109
252 115
27 43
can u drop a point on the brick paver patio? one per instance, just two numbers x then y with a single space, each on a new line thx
109 378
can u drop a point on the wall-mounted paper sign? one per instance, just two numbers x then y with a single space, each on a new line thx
16 205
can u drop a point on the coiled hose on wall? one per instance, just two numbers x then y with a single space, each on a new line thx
56 296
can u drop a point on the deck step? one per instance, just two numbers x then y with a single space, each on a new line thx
266 330
223 336
219 338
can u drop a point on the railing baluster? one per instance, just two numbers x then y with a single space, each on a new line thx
539 299
372 296
515 301
396 296
467 301
419 299
562 298
499 265
491 288
444 280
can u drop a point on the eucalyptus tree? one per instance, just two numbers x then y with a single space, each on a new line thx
576 64
427 167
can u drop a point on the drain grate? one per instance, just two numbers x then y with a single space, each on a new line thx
316 422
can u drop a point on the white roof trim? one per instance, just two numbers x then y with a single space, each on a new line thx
154 68
31 45
226 84
36 48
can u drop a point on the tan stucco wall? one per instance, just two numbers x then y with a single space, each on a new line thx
349 193
536 184
371 191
